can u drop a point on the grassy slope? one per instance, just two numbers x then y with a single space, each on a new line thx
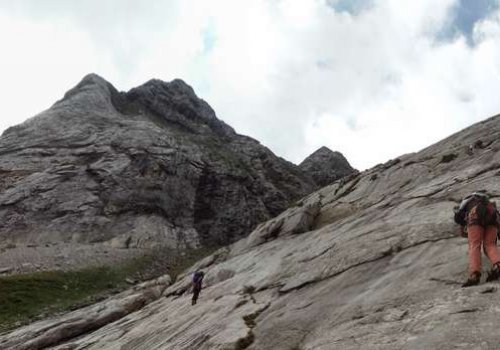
23 297
26 297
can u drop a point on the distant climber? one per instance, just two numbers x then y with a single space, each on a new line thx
481 218
197 284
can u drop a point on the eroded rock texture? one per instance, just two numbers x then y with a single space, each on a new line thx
372 261
153 166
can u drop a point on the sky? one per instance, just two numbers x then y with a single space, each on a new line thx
373 79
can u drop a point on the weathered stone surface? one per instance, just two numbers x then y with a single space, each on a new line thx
383 272
152 166
326 166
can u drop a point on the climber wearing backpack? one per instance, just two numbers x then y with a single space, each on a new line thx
197 284
481 217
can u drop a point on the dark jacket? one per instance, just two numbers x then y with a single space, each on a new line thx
198 280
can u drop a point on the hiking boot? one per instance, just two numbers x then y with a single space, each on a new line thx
494 274
473 280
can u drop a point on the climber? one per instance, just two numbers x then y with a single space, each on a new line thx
481 218
197 284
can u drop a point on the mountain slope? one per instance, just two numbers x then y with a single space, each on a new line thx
103 170
370 262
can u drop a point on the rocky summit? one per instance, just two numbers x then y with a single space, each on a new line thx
372 261
102 170
326 166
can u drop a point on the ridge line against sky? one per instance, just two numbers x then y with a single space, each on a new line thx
372 79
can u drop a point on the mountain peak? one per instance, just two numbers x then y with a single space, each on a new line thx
173 102
94 78
176 102
323 150
325 166
93 89
176 86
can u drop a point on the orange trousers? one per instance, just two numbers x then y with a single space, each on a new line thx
487 237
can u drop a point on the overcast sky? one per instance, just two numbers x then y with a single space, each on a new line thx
373 79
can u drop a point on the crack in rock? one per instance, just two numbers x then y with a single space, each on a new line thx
466 311
250 322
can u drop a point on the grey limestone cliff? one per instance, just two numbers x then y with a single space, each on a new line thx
151 166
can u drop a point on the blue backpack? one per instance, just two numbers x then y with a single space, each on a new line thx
198 277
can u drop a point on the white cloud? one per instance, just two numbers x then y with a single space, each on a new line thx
293 74
35 72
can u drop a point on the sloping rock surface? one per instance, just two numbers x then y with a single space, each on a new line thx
153 166
370 262
326 166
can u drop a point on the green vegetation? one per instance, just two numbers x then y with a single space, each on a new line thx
24 297
27 297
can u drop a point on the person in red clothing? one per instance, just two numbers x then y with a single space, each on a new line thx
481 217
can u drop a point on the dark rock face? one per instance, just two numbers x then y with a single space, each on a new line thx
326 166
138 169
